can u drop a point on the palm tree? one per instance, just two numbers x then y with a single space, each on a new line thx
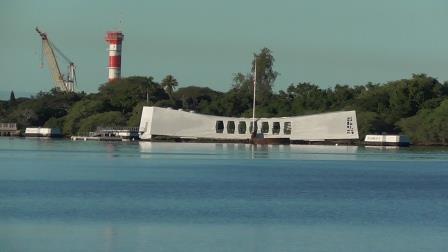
169 83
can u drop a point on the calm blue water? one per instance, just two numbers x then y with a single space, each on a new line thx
58 195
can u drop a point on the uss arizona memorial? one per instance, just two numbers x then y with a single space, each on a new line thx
159 122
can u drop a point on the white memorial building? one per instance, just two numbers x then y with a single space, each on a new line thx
178 124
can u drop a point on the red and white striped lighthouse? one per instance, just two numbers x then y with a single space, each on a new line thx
114 39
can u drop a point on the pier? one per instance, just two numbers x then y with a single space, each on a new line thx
9 129
110 134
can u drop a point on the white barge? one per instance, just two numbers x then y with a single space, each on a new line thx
387 140
165 123
42 132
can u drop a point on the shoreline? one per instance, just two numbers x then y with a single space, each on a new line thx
203 140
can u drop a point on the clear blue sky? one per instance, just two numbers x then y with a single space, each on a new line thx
203 42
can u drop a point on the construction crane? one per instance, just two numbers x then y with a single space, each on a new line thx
63 82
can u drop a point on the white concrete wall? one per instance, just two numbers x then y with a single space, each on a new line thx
325 126
176 123
145 123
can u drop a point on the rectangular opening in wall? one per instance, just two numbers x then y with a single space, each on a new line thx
219 126
231 127
276 128
287 128
264 127
242 127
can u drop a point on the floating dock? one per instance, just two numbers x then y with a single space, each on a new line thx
387 140
97 138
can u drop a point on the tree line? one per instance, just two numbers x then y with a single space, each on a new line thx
417 106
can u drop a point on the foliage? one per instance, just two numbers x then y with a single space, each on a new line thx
82 110
416 106
106 119
54 122
37 110
198 98
124 94
306 98
134 119
370 123
265 78
265 75
169 83
429 126
12 98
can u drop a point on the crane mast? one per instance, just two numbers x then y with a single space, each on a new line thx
48 49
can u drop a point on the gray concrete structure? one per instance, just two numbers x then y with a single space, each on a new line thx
168 122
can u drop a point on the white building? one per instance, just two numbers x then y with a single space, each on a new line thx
166 122
42 132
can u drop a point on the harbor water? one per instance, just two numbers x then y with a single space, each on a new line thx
61 195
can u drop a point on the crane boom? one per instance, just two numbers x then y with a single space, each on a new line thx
48 49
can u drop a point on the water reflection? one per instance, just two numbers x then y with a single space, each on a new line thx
259 151
111 150
200 196
110 235
245 151
383 148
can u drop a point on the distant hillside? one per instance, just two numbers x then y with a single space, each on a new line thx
417 106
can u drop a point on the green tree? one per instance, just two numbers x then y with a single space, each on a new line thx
196 98
169 83
370 123
81 110
265 74
240 81
374 98
306 98
134 119
341 96
124 94
416 106
54 122
106 119
428 126
12 98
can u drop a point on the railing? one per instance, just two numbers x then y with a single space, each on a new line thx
8 126
117 129
109 131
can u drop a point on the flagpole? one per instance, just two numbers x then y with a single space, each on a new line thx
253 105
